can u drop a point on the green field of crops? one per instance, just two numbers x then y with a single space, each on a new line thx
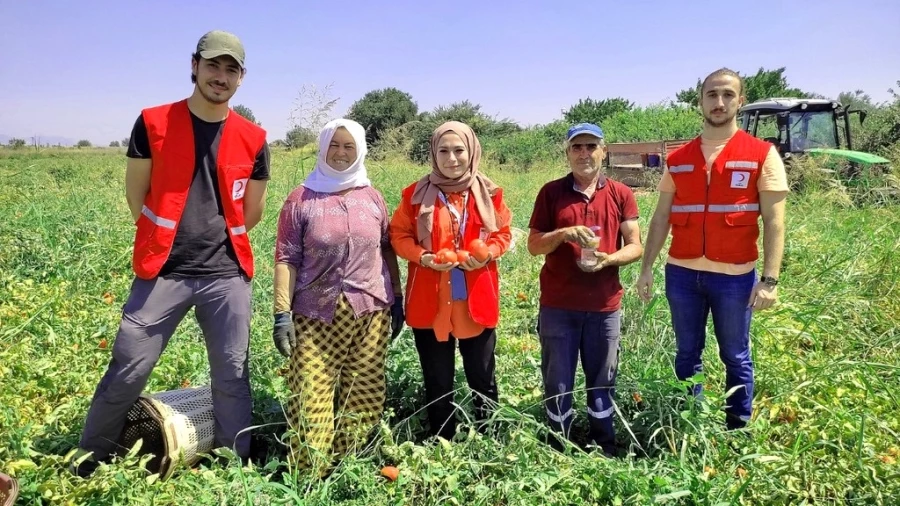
826 427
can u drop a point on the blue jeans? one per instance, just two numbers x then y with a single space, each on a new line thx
595 335
692 295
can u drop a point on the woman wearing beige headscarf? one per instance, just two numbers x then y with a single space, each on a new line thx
451 226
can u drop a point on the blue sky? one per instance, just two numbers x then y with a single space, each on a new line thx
83 70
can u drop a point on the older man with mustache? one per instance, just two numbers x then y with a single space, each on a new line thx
586 226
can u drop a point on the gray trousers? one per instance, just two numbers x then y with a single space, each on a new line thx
153 311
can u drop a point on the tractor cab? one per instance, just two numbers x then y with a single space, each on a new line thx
797 125
806 126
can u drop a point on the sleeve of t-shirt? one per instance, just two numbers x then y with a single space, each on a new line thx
773 177
261 165
666 184
139 142
629 208
541 220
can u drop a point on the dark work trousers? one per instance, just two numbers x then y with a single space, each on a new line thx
439 368
153 311
595 337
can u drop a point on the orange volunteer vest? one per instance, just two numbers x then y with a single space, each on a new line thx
718 220
483 284
172 152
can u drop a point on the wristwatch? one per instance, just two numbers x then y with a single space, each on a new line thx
769 280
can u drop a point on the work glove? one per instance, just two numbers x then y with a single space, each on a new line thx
397 316
283 333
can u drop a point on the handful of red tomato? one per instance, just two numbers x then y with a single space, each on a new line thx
477 249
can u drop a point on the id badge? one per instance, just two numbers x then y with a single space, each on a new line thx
458 289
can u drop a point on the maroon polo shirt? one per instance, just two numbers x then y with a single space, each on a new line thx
559 205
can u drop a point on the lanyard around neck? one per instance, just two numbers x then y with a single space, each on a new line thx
461 220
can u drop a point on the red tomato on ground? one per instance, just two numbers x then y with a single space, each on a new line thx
390 472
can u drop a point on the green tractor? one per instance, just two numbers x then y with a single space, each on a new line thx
809 127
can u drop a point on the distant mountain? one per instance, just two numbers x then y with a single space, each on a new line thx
52 140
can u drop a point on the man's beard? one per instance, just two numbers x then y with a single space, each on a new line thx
714 123
212 98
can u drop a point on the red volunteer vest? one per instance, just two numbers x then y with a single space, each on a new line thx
719 221
172 152
483 284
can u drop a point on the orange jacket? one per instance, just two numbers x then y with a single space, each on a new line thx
172 152
718 219
424 286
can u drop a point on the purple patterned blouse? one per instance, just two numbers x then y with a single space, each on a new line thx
335 242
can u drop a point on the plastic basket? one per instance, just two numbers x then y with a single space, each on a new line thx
175 426
9 490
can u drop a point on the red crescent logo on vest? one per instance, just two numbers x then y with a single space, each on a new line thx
237 191
740 179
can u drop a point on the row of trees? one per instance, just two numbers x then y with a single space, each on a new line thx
395 125
243 110
18 143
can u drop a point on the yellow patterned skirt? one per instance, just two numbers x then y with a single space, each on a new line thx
336 377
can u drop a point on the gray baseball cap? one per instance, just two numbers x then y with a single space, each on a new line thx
220 43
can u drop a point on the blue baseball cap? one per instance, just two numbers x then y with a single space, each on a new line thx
584 128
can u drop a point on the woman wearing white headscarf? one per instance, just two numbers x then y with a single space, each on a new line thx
338 300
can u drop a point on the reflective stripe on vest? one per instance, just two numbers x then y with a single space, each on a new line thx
170 132
698 208
722 208
726 230
162 222
716 208
741 164
680 168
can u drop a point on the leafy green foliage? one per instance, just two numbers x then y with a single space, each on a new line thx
471 114
770 83
380 110
763 84
589 110
824 428
856 100
522 150
880 133
654 122
245 111
485 126
508 145
299 136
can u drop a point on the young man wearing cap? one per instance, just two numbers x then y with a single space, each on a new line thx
586 226
711 195
195 181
